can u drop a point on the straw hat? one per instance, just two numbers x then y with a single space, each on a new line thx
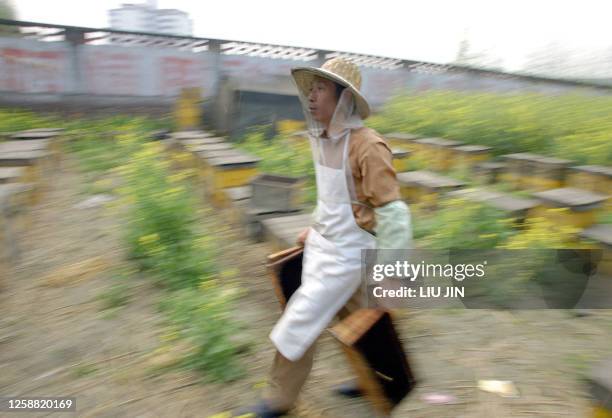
338 70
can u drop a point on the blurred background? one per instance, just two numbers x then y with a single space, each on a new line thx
153 154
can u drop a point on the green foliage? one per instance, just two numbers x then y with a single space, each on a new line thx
203 317
161 231
115 297
462 224
93 140
84 370
96 143
163 236
543 233
12 120
605 218
118 294
572 126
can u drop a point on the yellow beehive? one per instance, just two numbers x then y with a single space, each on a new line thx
226 169
198 152
425 187
424 150
595 178
585 177
488 172
581 207
467 156
518 169
518 208
183 150
188 113
545 173
401 140
400 159
202 158
444 154
437 152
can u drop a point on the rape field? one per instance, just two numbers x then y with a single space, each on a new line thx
171 306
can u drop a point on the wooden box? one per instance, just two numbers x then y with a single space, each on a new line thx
375 352
402 140
582 206
276 193
546 173
467 156
425 187
400 159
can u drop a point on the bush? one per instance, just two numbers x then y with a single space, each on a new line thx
462 224
202 316
576 127
163 236
161 231
12 120
96 141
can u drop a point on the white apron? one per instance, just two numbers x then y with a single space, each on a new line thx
331 269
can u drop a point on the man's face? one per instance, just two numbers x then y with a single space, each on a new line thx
322 100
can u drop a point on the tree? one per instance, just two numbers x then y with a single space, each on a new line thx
557 60
7 10
482 59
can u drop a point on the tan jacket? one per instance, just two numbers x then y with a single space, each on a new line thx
374 176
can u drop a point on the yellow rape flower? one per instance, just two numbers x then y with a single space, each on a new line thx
148 239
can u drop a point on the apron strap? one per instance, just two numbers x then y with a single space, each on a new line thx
357 202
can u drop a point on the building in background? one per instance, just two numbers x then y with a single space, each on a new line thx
146 17
173 22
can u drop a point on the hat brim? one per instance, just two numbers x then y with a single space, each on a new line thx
304 77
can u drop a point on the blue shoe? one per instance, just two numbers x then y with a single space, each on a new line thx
259 410
348 390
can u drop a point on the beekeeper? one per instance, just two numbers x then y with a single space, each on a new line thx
358 207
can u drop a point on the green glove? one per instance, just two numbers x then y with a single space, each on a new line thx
393 226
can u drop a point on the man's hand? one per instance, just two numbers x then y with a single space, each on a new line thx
301 239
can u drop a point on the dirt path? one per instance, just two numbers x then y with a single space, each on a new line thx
56 340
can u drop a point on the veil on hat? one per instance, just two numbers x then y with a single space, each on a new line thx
329 150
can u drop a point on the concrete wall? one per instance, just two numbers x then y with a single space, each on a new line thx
68 74
28 66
